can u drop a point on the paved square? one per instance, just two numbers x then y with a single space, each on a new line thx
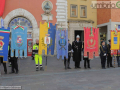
55 77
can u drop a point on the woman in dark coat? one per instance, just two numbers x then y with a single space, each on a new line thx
86 59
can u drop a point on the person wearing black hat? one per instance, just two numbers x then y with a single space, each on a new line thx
67 62
109 58
103 54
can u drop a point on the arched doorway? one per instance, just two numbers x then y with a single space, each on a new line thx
25 23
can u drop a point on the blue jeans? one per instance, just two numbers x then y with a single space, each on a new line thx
118 60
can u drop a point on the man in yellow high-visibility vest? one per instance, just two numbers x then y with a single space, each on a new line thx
38 58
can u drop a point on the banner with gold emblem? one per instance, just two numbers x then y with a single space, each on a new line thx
91 42
115 42
115 39
47 39
4 41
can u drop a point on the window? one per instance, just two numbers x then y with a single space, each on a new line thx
22 21
73 12
83 11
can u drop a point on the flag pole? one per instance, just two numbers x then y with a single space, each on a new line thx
46 62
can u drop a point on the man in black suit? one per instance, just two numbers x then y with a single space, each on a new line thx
77 47
103 54
109 58
67 62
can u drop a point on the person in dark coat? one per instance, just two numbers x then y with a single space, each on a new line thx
86 59
103 54
77 47
14 68
4 64
109 57
67 62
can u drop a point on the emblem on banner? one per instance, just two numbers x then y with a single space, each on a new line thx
1 43
91 42
47 39
62 43
115 40
19 41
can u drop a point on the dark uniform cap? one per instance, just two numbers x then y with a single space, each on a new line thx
102 41
109 40
68 40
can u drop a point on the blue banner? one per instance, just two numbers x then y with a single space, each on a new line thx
19 41
62 43
52 32
4 42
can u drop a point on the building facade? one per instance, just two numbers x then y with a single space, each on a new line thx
29 13
107 19
80 15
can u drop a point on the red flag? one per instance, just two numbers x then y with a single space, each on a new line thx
91 42
2 5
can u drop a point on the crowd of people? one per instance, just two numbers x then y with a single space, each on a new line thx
75 50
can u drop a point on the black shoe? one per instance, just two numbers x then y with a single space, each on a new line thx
119 66
89 67
85 67
11 72
41 69
69 68
107 66
37 68
75 67
111 66
16 72
5 73
78 67
104 68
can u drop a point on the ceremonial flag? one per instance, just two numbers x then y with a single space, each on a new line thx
19 41
47 39
115 39
115 42
2 5
4 42
91 42
62 43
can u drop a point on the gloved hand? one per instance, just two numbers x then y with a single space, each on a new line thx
104 54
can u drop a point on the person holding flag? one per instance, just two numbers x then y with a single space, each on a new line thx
109 57
67 62
103 54
38 58
86 59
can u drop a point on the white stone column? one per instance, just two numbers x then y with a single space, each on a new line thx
62 14
108 31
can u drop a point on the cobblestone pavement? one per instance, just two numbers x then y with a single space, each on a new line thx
55 77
